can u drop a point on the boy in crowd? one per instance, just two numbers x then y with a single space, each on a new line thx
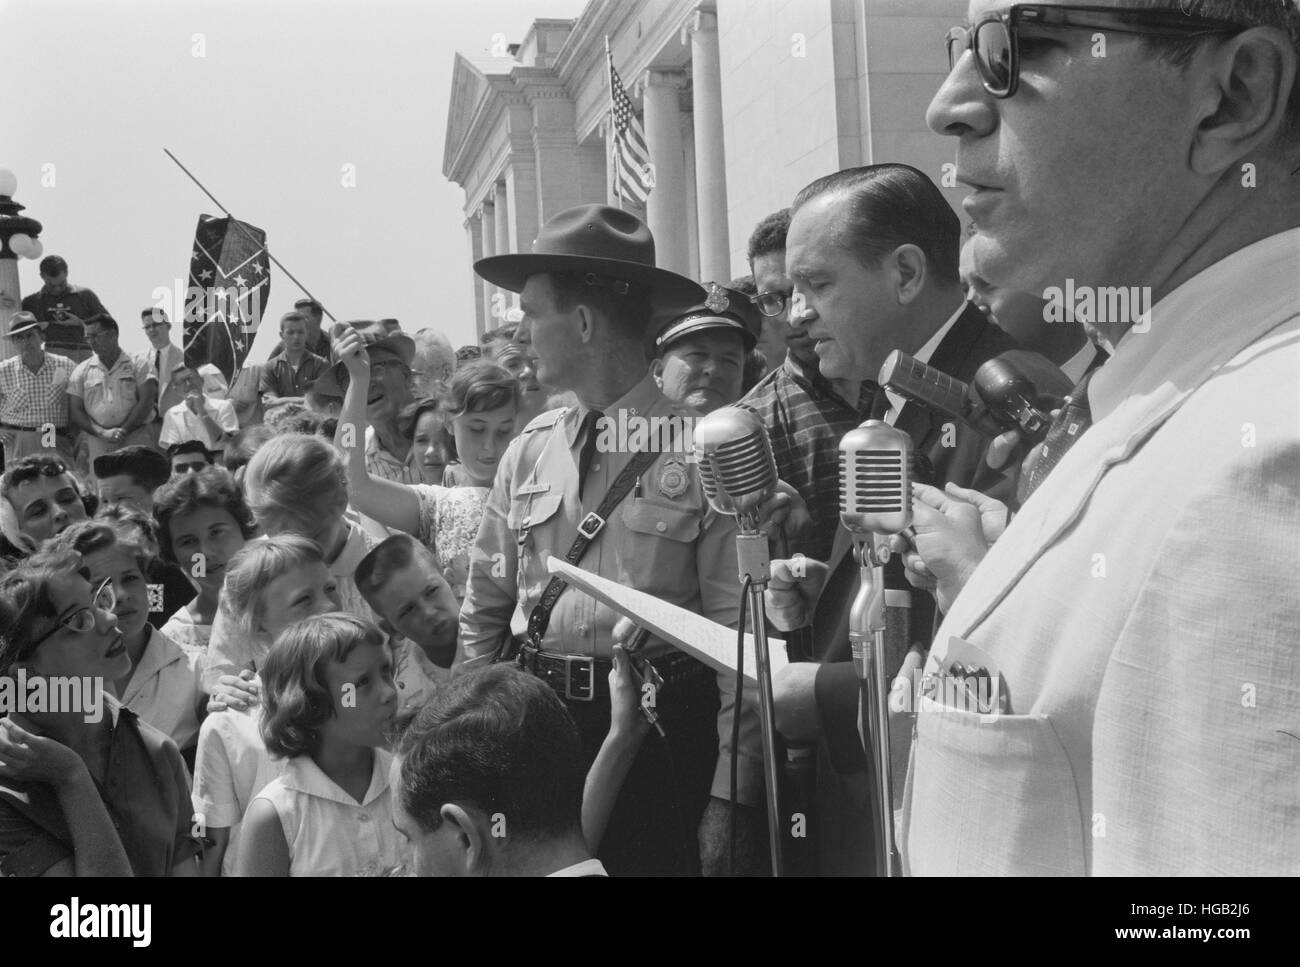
401 582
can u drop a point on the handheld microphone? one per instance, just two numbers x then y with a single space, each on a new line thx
737 468
1000 398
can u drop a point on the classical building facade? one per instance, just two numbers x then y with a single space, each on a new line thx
743 103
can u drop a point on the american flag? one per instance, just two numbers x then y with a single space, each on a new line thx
230 267
634 175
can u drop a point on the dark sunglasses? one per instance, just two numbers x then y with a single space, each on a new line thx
995 40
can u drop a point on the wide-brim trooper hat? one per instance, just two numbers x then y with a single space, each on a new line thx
604 241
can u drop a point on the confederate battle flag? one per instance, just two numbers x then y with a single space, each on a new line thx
230 280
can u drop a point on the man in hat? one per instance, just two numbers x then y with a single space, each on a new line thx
111 395
389 453
700 355
33 394
590 292
67 308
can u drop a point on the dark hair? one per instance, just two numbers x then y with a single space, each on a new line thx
889 205
744 284
499 740
153 313
143 466
107 323
1281 14
769 234
411 413
392 554
210 487
503 333
124 516
755 369
294 316
245 443
475 387
25 597
295 694
53 265
629 312
90 536
36 465
310 305
188 446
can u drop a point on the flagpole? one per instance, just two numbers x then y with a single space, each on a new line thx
238 224
613 163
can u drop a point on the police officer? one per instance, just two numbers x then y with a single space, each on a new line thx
591 296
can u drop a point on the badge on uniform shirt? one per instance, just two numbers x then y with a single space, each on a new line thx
673 478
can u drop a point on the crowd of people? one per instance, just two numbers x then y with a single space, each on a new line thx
318 602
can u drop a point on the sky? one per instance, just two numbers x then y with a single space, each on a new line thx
266 102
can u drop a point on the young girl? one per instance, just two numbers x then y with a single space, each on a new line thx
482 400
82 794
270 584
160 682
330 705
202 523
425 422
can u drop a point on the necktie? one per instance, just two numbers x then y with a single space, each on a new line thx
157 364
1075 418
588 446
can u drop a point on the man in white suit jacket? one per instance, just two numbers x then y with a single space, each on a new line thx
1141 608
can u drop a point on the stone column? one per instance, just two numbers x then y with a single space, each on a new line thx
501 209
710 158
487 237
474 232
666 209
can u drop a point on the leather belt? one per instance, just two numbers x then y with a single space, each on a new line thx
31 429
583 678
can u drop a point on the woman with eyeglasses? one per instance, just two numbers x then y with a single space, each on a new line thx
86 788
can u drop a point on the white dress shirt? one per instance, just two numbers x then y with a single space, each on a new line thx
922 355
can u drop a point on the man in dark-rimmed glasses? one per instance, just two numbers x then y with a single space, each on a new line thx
1149 147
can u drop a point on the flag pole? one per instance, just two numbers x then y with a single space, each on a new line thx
613 163
236 222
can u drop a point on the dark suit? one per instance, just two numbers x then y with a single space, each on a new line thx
845 828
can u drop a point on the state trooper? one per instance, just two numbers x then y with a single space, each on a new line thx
592 297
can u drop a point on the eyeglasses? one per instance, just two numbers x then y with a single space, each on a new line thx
20 475
82 620
770 303
996 39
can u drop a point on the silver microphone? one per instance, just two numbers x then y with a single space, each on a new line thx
737 468
876 480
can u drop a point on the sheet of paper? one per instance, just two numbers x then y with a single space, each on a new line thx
710 642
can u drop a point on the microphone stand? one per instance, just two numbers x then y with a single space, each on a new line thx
867 639
754 560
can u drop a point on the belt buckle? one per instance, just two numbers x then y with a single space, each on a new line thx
591 525
580 693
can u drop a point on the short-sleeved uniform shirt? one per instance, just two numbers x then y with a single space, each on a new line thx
111 392
663 540
146 791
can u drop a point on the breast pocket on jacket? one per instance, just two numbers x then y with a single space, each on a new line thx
532 519
991 795
657 546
